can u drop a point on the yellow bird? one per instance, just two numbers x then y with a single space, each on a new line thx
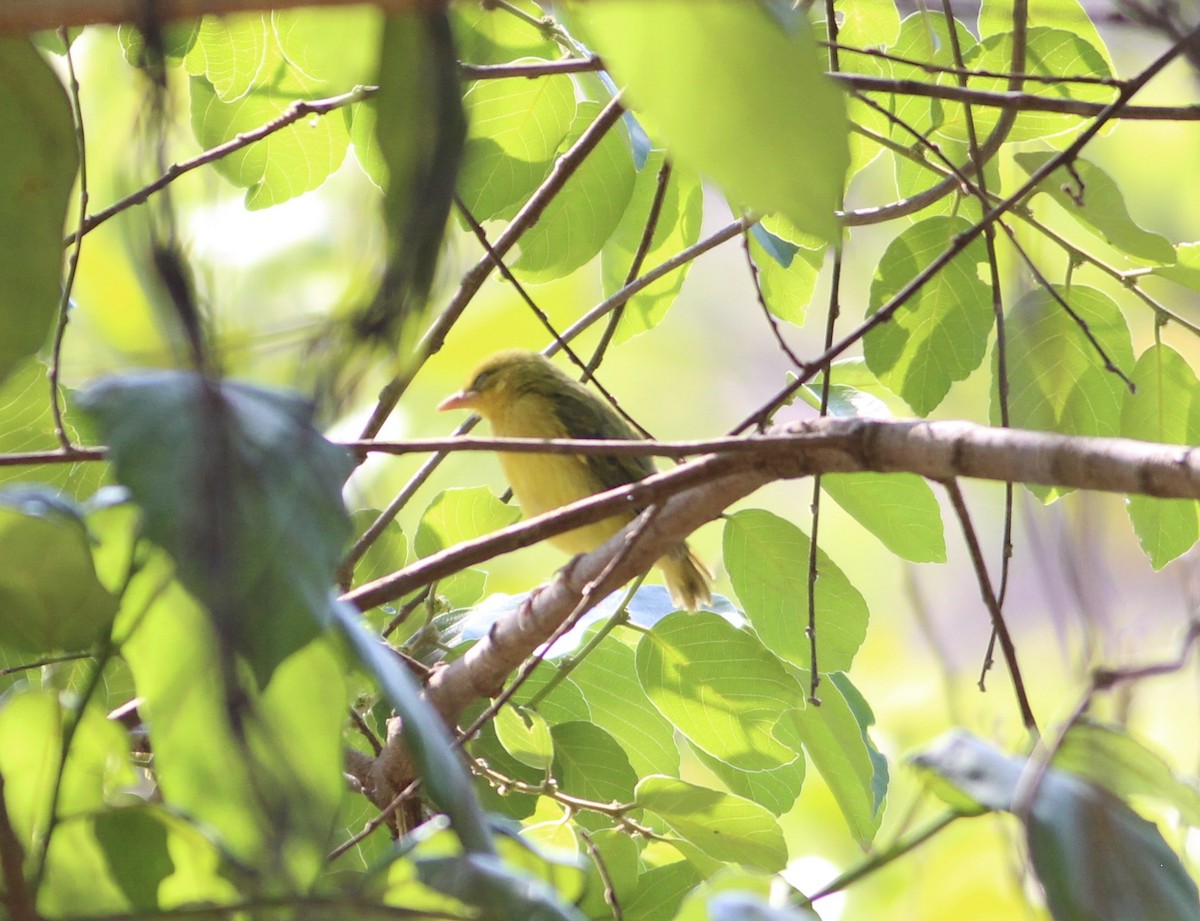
522 395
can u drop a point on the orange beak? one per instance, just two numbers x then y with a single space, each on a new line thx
464 399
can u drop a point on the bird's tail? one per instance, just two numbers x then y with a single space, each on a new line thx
688 579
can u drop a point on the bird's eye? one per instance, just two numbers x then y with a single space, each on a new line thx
481 381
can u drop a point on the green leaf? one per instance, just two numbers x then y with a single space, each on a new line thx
898 508
589 763
386 554
49 593
487 882
288 736
775 788
787 285
939 335
767 558
1165 408
526 736
487 35
660 890
40 161
27 424
836 741
1049 52
1109 757
923 37
996 16
678 227
242 492
618 704
334 49
516 130
584 215
456 515
135 841
1091 196
31 734
1186 268
1057 379
773 131
719 687
726 827
287 163
234 54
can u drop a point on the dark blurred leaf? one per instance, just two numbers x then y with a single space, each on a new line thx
242 492
488 883
1098 860
37 172
420 129
1110 757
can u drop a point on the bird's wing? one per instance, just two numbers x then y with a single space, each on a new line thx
583 416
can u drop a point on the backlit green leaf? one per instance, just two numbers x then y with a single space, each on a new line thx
581 218
526 736
724 826
678 227
515 130
287 163
939 335
1057 376
1091 196
1165 408
36 176
719 687
618 704
767 558
461 514
773 130
49 593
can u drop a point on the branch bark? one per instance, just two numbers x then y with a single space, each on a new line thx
940 451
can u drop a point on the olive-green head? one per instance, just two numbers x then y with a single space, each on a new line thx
505 378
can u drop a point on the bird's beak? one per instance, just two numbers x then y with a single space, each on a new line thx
464 399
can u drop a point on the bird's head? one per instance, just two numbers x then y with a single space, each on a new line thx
497 383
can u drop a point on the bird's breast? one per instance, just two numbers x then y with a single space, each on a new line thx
543 482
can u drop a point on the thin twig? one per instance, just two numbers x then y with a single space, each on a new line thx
885 313
639 256
64 303
989 599
610 892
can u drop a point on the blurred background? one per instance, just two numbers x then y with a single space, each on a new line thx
1081 592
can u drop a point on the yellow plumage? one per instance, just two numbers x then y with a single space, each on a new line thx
522 395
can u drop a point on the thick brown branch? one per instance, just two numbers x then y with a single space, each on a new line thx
702 489
34 15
